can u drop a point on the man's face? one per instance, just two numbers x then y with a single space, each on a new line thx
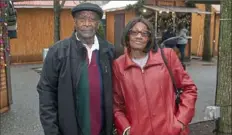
86 23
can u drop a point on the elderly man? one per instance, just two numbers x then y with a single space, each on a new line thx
75 88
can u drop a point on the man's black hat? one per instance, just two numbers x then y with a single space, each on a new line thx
88 7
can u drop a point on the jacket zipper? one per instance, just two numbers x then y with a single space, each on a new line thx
106 69
150 118
104 66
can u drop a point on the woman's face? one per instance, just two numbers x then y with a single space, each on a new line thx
138 36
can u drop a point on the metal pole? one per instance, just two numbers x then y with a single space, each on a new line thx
156 23
45 51
174 21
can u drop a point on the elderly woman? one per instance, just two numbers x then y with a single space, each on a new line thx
144 96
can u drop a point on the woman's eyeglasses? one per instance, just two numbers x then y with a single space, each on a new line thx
143 33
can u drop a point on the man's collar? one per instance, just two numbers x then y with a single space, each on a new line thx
104 46
95 45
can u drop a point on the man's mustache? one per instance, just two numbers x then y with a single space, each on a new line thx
87 29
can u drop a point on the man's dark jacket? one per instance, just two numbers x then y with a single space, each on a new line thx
58 85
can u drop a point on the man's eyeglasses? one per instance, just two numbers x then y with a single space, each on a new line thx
143 33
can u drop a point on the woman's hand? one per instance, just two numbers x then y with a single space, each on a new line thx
182 126
127 132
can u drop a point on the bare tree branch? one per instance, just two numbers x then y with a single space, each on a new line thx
62 3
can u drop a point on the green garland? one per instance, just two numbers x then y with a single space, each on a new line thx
101 31
136 6
190 4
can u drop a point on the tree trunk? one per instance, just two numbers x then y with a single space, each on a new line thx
56 20
206 49
224 80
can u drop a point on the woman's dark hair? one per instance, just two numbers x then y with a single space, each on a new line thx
130 25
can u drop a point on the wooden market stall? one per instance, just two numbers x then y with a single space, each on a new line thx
116 19
4 104
198 31
36 29
163 13
5 84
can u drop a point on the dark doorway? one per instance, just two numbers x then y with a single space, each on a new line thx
119 24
